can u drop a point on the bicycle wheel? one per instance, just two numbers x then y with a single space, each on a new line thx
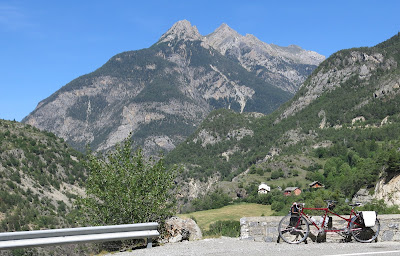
293 230
362 233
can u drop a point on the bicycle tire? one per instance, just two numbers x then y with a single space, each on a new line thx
364 234
293 233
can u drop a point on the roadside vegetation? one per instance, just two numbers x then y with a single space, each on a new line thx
125 187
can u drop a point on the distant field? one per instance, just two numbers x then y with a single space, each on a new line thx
230 212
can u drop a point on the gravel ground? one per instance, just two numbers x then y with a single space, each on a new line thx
235 246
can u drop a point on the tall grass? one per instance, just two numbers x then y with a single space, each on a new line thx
228 213
229 228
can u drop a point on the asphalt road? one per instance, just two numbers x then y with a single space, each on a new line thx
234 246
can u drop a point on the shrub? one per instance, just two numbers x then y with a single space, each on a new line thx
260 171
277 174
213 200
277 206
123 187
380 207
229 228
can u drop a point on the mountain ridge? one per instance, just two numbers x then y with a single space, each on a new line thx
160 93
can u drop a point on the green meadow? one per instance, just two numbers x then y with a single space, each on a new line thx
230 212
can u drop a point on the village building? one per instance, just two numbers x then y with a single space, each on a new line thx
263 188
316 184
292 191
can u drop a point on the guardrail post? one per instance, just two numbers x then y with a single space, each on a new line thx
149 242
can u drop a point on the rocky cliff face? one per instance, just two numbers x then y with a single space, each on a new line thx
162 93
389 192
285 67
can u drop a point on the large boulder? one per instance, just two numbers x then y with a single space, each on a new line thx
179 229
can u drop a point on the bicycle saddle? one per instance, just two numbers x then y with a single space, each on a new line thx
356 204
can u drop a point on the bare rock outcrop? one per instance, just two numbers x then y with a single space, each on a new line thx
275 64
388 191
179 230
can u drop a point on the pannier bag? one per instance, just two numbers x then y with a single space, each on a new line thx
369 218
294 220
294 215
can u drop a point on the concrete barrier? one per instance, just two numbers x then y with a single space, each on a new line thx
265 229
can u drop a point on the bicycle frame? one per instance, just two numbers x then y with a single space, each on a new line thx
327 211
294 228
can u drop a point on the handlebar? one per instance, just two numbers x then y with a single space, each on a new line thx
299 205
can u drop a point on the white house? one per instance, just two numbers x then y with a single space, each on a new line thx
263 188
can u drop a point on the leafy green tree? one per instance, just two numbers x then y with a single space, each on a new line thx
277 206
393 162
213 200
277 174
123 187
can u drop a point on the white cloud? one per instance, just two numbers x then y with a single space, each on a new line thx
13 18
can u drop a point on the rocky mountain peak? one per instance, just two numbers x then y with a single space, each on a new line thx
181 30
251 37
223 38
225 30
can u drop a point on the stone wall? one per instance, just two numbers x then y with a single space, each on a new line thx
265 229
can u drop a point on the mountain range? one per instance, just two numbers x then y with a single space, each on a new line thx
341 128
161 94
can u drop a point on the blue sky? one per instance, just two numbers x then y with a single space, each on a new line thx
46 44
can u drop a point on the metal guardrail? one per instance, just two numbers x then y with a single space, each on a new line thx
23 239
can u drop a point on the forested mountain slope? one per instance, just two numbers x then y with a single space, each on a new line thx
341 128
40 176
